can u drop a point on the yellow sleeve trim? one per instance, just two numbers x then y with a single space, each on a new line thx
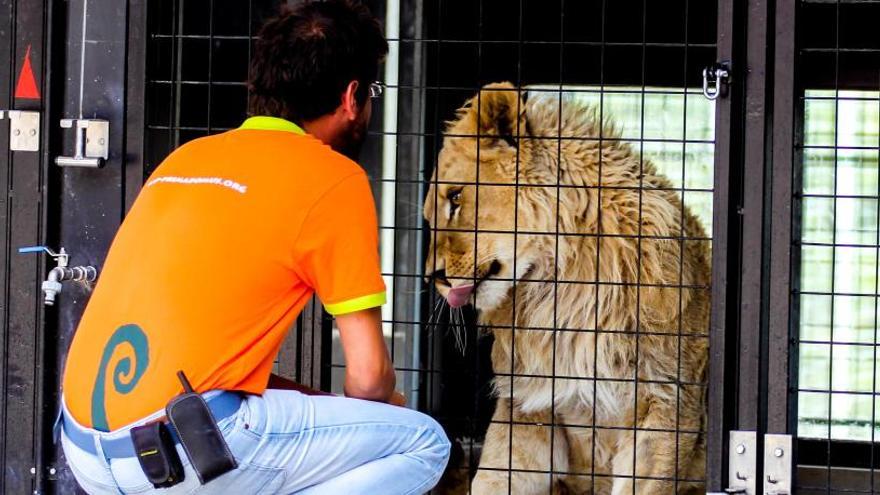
356 304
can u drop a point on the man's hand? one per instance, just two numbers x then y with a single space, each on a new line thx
369 373
397 399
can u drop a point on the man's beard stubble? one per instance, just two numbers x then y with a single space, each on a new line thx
352 141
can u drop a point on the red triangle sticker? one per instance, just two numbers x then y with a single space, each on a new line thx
27 83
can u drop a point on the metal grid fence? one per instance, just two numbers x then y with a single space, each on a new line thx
580 426
838 247
613 302
198 56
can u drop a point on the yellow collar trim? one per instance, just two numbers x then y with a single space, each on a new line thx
264 123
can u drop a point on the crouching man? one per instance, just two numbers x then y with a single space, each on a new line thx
228 240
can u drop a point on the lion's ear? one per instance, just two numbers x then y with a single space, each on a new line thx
502 112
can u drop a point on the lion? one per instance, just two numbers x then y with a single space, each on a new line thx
597 297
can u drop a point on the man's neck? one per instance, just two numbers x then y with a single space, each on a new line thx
324 128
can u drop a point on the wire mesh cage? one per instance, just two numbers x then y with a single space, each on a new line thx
545 241
838 244
566 61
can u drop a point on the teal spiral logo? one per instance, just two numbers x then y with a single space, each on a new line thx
124 379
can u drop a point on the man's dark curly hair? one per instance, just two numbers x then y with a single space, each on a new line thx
304 59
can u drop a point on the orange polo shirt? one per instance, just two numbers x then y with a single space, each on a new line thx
227 241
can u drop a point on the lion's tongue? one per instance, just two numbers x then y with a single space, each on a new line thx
459 296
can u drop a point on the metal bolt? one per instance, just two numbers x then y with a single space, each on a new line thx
33 470
740 449
778 452
101 141
52 471
16 132
32 132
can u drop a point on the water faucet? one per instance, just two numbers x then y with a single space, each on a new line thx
85 275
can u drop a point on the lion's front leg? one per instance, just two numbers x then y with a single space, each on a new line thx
529 450
655 448
579 435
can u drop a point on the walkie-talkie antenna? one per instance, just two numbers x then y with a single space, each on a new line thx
183 381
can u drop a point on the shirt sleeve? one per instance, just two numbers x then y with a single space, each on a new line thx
337 251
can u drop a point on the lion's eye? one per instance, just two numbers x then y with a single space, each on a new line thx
454 198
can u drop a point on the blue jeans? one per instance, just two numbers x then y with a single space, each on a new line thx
288 442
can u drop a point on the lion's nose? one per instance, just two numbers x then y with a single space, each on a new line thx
494 269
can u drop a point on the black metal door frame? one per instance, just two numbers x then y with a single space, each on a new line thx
750 341
781 361
27 37
722 360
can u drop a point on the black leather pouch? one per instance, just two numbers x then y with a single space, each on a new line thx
155 450
199 435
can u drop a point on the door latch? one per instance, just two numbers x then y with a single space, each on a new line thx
92 144
24 129
716 79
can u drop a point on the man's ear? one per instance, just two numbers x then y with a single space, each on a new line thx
350 107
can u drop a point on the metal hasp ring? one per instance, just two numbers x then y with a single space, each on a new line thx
715 80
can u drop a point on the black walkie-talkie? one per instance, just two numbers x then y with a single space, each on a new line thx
157 455
198 432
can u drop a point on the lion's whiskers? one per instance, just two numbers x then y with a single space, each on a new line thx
459 328
435 314
463 334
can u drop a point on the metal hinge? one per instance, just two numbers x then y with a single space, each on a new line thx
743 465
777 464
24 129
742 468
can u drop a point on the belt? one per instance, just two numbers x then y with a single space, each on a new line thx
222 406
